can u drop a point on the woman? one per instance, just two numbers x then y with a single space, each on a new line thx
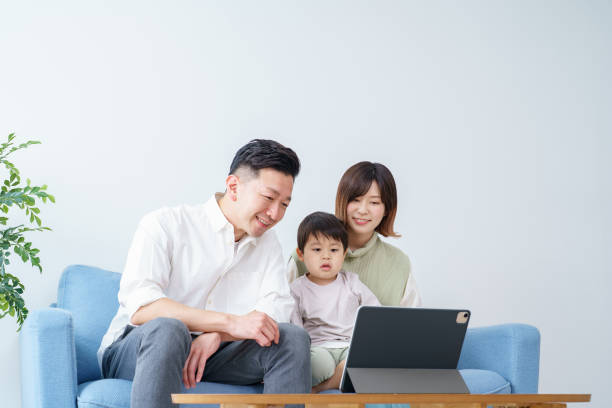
366 202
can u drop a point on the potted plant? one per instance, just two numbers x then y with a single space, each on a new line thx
13 238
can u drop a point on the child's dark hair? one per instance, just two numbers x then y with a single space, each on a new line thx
262 154
321 223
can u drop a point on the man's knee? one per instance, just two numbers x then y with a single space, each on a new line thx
167 334
294 338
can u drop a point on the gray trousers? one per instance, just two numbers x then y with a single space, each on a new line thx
153 356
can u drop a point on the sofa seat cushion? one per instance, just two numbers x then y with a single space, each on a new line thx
485 382
113 393
109 393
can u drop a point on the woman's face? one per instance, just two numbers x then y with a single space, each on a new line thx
365 212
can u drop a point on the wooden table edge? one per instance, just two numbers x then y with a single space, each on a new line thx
279 399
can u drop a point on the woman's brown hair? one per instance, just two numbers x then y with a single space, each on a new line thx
356 181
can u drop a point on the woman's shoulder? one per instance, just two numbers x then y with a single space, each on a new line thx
299 265
392 252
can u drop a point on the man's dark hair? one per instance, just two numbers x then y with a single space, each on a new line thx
262 154
324 224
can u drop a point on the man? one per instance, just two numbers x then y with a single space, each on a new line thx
203 293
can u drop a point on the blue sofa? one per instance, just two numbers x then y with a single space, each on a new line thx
59 344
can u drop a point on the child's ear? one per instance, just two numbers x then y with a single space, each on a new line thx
300 254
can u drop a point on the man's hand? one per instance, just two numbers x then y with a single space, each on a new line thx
204 346
255 325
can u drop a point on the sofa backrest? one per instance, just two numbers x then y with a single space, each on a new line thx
90 294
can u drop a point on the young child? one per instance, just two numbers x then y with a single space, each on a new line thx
327 297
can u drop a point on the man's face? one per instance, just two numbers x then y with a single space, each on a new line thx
262 201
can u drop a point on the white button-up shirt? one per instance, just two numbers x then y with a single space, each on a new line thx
188 254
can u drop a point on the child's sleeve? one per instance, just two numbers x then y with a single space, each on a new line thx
296 315
366 297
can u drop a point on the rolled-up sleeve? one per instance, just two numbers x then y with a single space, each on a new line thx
274 296
411 297
147 269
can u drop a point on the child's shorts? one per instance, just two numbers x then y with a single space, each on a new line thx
324 361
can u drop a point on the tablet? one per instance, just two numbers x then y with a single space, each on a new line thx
405 350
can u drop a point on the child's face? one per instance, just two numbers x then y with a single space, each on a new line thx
323 257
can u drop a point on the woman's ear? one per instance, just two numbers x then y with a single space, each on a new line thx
300 254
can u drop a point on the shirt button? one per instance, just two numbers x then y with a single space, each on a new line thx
210 302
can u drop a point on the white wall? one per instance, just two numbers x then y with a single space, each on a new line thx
493 116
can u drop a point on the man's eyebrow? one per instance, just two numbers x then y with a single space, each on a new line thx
276 192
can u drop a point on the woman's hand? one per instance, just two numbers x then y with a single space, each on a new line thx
204 346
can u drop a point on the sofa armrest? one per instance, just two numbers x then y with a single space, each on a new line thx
511 350
48 360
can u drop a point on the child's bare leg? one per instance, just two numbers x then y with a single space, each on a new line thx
332 382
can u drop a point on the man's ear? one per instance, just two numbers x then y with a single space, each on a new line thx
300 254
231 187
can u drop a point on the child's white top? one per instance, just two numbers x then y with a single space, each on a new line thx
328 312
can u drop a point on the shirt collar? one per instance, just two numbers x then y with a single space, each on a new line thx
219 222
364 249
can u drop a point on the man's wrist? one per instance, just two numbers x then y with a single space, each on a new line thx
229 323
217 335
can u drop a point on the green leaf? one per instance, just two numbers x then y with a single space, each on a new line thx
13 193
